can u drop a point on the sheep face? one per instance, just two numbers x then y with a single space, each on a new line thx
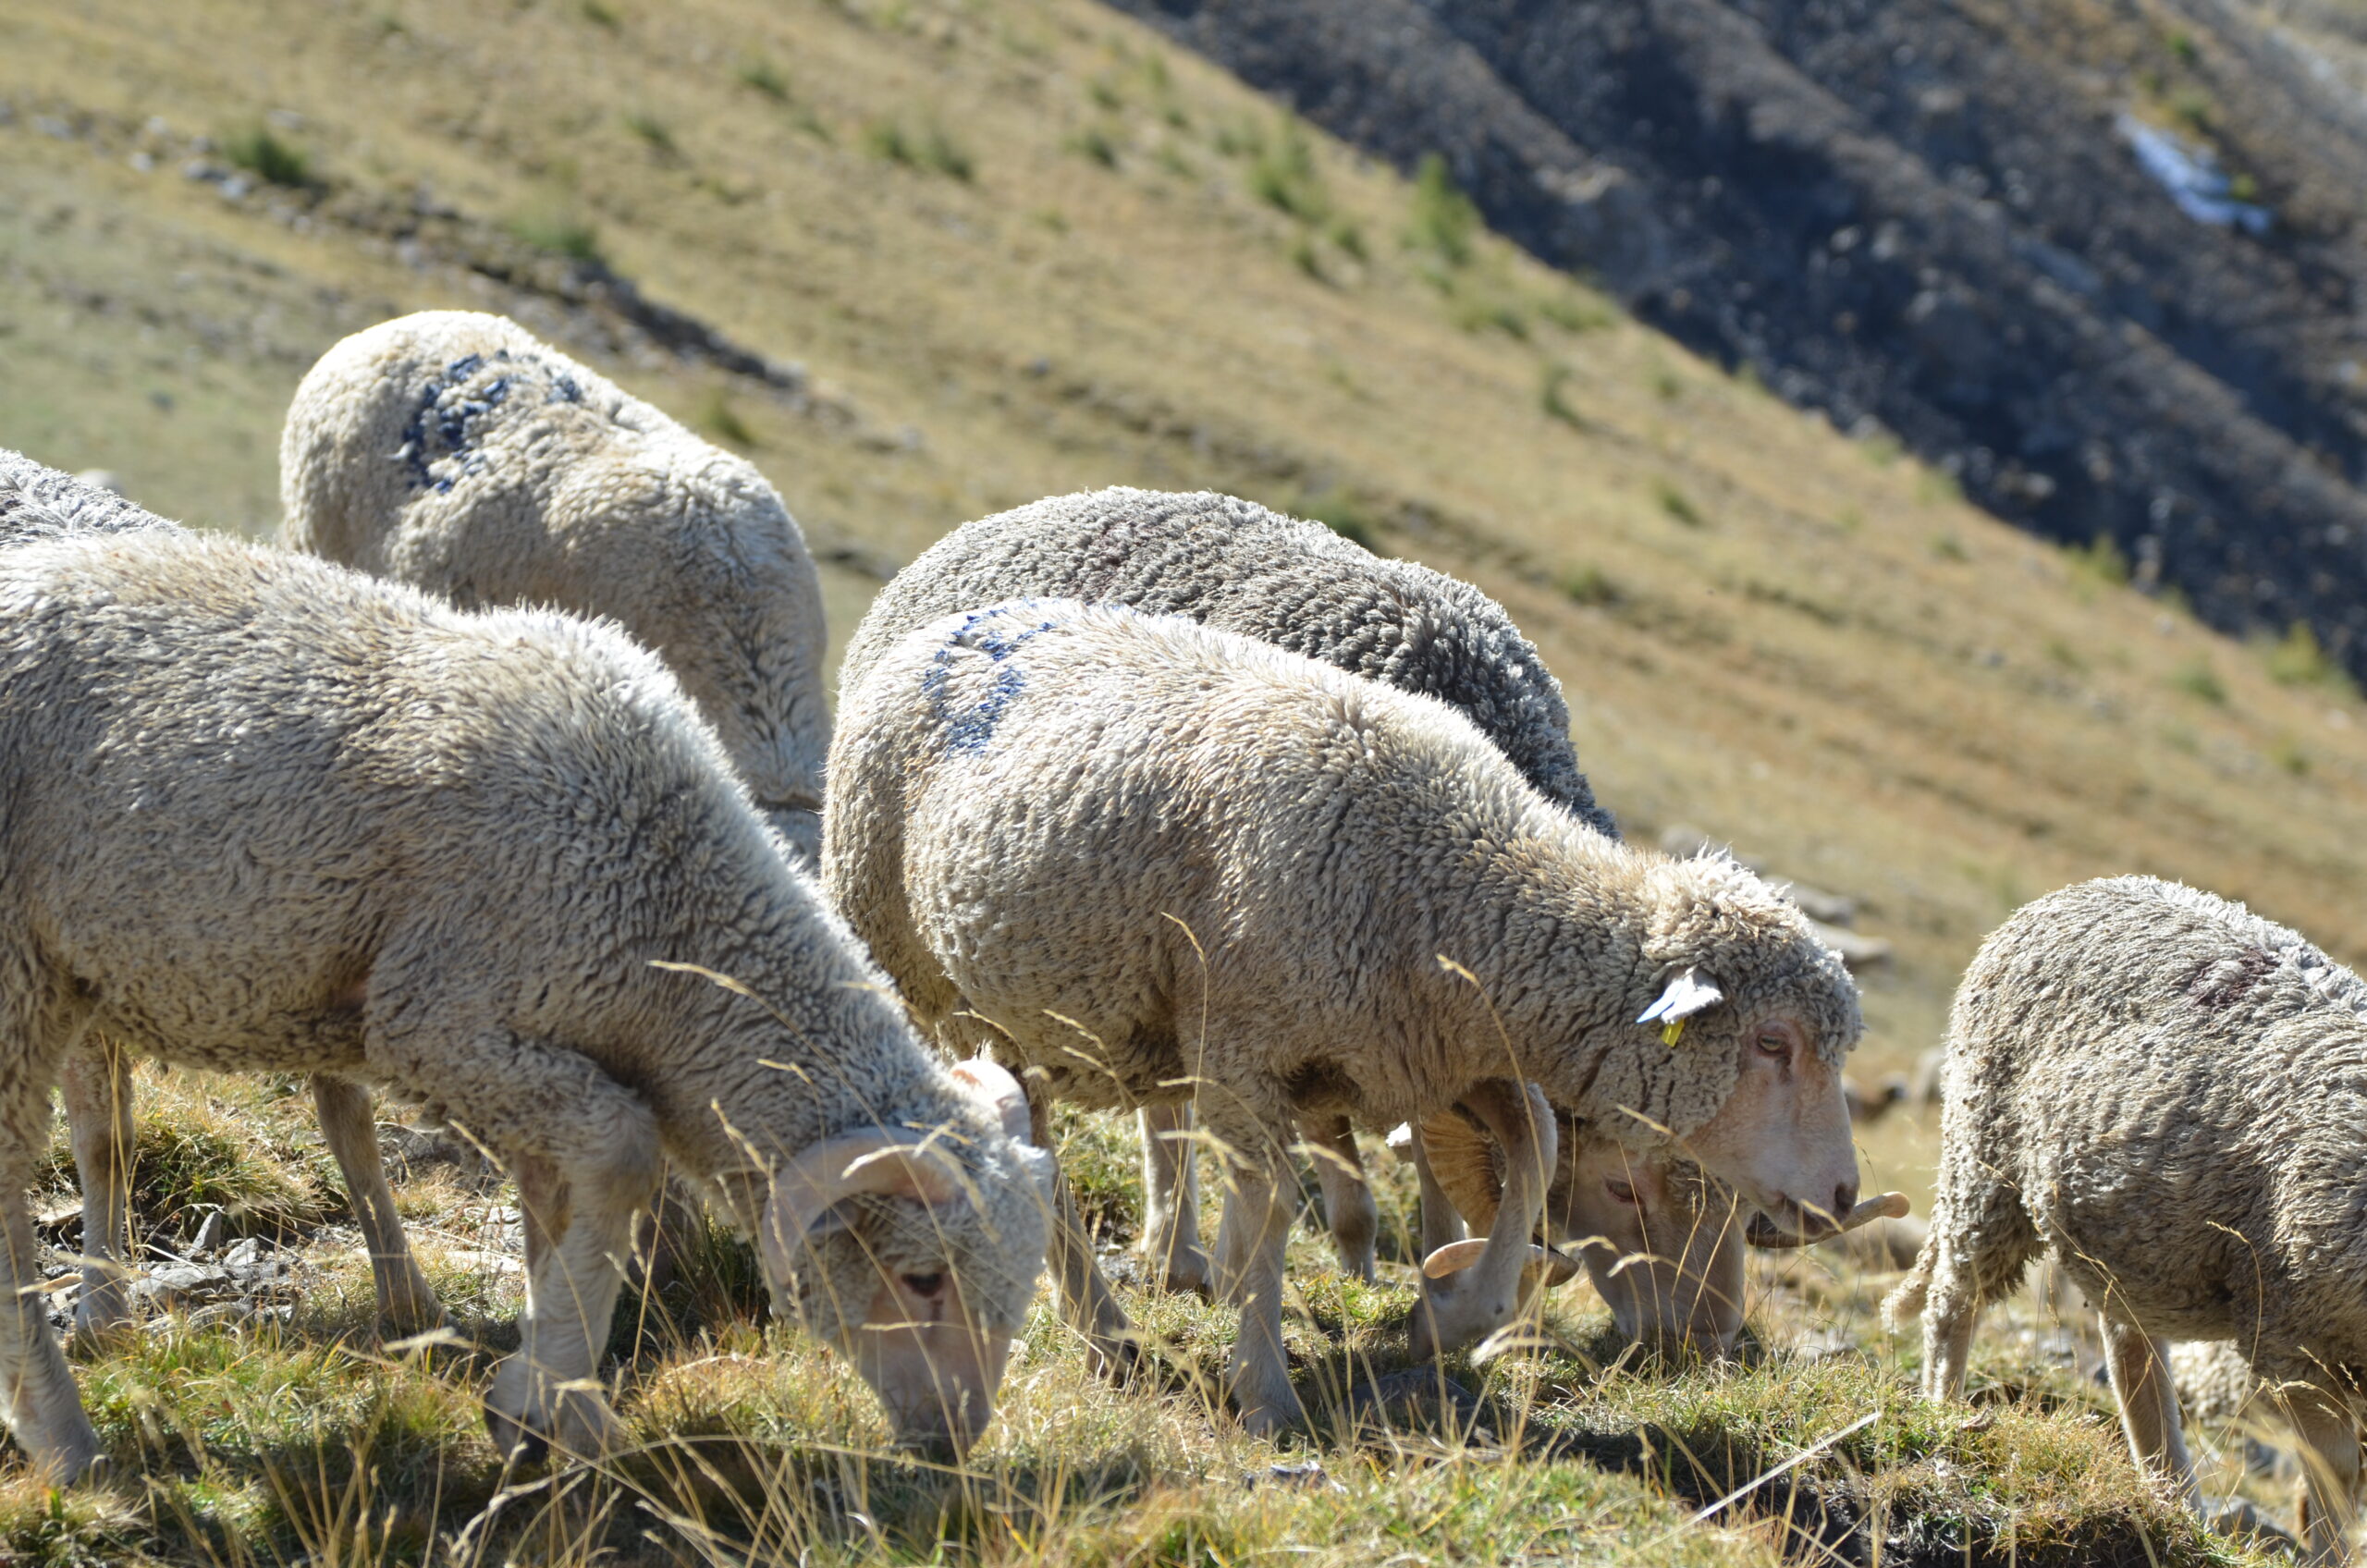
918 1266
1782 1136
1660 1239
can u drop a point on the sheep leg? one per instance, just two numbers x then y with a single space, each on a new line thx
38 1398
2329 1444
2149 1406
95 1082
407 1302
1085 1300
1347 1197
1441 1221
1258 1210
1172 1198
1476 1301
586 1152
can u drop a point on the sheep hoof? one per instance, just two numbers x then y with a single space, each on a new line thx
1184 1269
1267 1415
522 1447
1116 1360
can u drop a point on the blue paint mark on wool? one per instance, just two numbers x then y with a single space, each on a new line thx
970 729
447 409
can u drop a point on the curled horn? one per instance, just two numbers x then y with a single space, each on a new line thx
998 1091
1887 1206
805 1190
1456 1256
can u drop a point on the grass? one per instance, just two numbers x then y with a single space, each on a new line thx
260 151
1049 324
929 148
1440 219
279 1443
760 74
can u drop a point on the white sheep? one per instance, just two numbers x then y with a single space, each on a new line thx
260 813
1148 860
2162 1093
457 452
1234 565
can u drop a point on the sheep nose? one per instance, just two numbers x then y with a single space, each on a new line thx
1845 1198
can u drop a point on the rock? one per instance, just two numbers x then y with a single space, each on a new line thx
1860 954
172 1285
210 1234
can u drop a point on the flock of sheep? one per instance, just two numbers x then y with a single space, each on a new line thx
503 788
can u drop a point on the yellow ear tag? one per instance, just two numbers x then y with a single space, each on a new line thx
1672 1032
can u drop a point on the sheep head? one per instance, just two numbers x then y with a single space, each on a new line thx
915 1254
1742 1018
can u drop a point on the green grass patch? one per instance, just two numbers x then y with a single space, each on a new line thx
929 148
260 151
1440 219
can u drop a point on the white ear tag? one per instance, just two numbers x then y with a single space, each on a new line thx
1687 994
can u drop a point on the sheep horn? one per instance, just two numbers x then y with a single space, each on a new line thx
1887 1206
807 1189
1456 1256
999 1090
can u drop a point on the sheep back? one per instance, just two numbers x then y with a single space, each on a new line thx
456 452
39 502
1236 565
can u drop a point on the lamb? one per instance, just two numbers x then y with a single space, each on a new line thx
1233 565
38 502
2162 1092
1145 860
260 813
457 452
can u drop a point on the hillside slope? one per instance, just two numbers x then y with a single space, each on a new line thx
1935 217
929 261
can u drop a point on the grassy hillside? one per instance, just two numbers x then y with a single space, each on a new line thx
985 251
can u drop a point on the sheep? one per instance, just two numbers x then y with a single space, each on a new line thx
2162 1092
1232 564
1145 860
41 502
261 813
457 452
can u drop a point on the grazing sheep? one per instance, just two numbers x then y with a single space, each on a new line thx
38 502
457 452
1233 565
1148 861
2162 1093
1660 1238
260 813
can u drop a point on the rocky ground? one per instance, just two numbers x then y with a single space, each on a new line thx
1932 220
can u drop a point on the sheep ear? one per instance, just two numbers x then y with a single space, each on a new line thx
999 1091
1690 993
806 1192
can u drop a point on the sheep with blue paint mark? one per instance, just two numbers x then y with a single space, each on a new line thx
456 452
1239 567
1144 861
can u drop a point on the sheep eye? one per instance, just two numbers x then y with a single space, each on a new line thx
1774 1042
1620 1190
924 1284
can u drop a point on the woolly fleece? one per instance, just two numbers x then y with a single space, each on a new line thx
456 452
259 813
1233 565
